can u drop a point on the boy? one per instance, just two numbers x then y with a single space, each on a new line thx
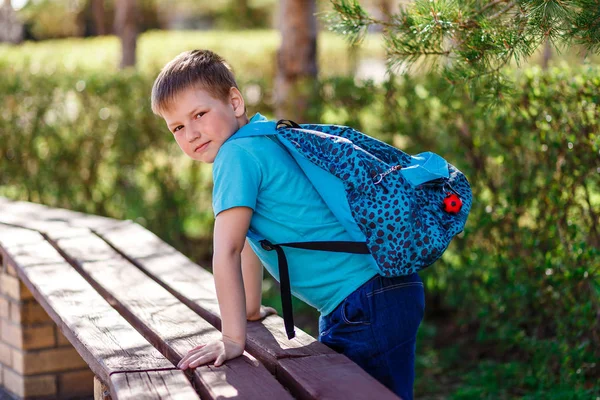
258 186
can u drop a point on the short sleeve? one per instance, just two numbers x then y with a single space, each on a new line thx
236 176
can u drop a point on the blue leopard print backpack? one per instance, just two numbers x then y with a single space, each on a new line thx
403 210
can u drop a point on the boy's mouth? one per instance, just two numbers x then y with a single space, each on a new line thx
201 147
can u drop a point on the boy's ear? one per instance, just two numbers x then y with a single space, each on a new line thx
237 102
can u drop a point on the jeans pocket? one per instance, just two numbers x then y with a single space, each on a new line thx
355 310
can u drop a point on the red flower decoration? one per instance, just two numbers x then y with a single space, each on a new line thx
452 203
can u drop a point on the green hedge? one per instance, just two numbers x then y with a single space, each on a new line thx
526 274
521 285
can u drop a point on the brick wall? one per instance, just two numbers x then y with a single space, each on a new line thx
36 360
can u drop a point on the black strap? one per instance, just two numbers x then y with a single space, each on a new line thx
338 246
284 275
286 292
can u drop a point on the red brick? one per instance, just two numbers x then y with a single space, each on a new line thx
48 360
76 383
11 333
10 286
14 288
61 339
29 312
15 312
25 293
27 337
5 354
38 337
29 386
4 307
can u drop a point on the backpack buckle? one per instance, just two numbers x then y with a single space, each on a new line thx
265 244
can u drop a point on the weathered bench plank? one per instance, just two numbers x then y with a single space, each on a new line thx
39 212
152 385
167 323
331 377
107 343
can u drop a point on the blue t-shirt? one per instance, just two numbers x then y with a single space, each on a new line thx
257 172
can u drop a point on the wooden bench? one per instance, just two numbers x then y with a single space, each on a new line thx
84 296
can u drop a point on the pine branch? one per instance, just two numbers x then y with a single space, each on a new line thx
473 40
503 11
488 6
477 39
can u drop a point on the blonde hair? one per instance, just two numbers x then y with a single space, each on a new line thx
201 69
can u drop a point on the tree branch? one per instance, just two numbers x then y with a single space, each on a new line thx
421 53
488 6
503 11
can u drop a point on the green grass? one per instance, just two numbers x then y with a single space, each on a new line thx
251 53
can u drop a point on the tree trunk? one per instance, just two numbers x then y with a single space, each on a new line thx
11 30
385 7
243 12
547 55
296 60
126 27
98 17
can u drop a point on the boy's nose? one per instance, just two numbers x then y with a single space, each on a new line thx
192 134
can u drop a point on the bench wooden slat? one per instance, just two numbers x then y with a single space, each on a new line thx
252 383
331 376
39 212
100 335
152 385
167 323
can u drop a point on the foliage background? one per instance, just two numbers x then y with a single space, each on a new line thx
512 308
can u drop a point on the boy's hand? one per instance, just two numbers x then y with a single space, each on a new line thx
263 313
219 350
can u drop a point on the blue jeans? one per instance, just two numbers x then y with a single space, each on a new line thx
376 327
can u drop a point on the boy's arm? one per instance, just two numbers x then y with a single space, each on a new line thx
230 231
228 241
252 270
252 273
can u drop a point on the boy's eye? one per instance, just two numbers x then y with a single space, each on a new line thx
200 114
177 128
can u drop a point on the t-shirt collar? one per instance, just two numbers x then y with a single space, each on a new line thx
256 123
258 117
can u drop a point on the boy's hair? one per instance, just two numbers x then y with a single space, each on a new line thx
200 69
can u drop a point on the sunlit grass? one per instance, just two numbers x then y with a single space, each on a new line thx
251 53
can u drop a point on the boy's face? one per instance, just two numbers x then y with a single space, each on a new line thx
201 123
